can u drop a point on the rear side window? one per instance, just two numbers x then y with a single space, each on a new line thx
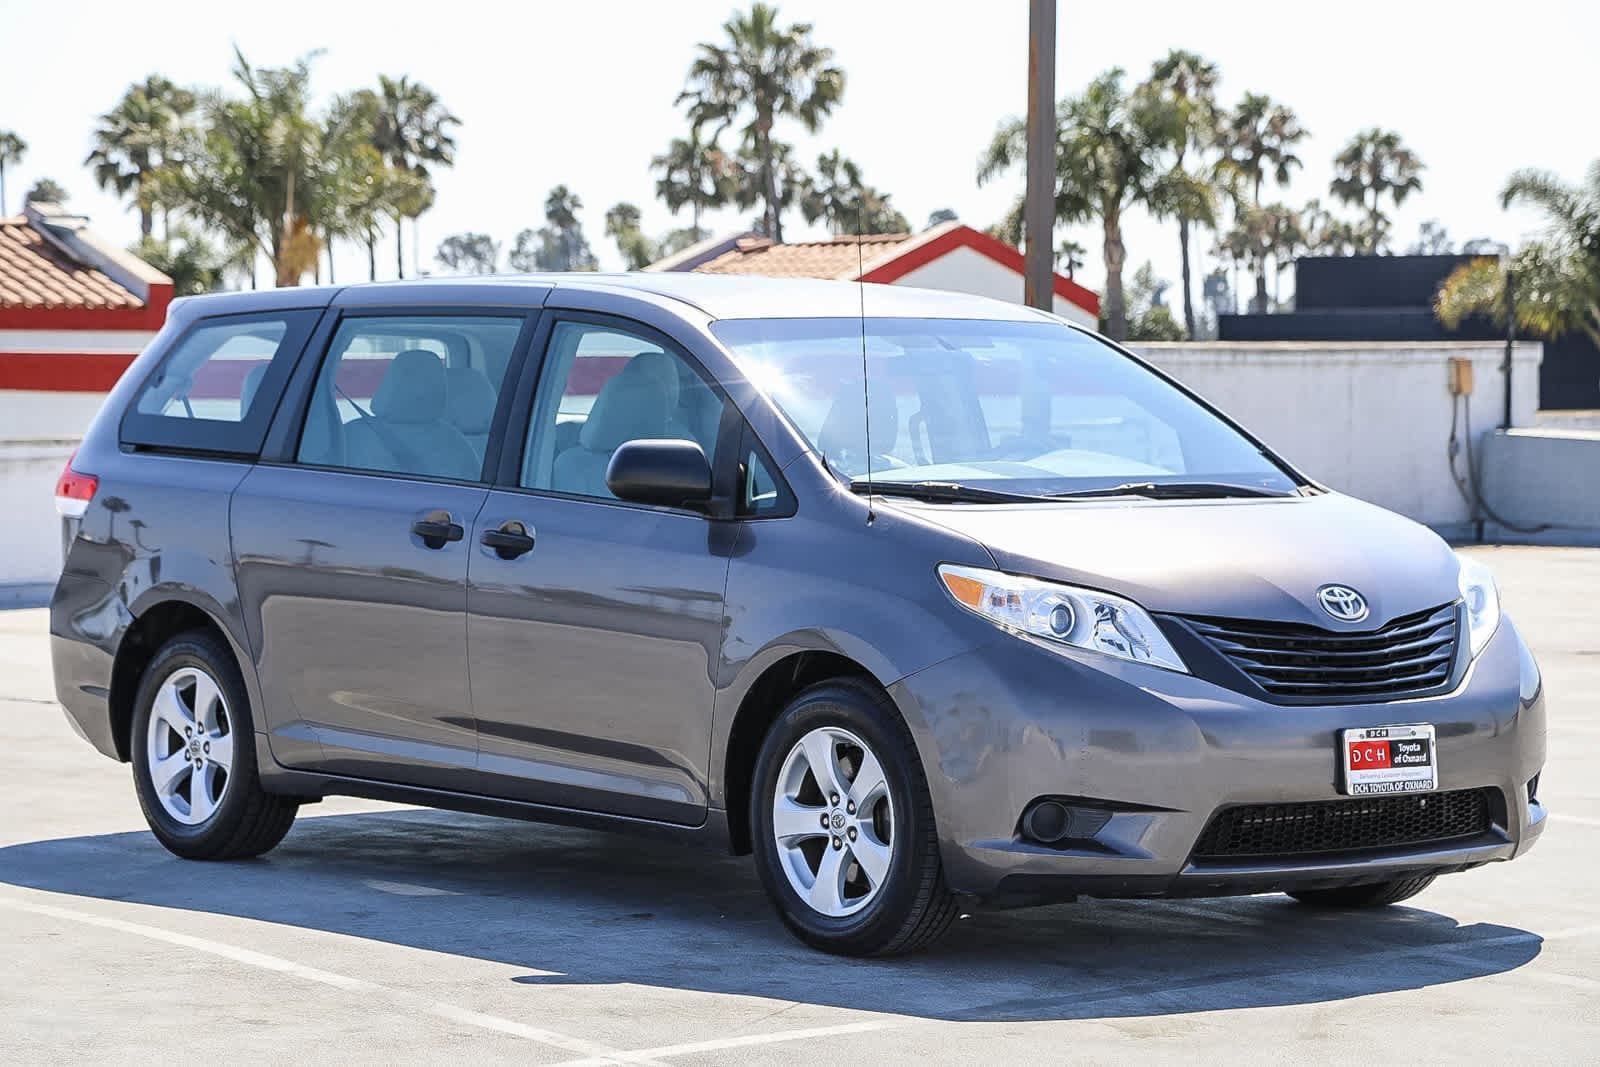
217 388
412 394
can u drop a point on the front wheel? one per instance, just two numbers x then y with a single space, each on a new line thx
194 765
1372 895
843 826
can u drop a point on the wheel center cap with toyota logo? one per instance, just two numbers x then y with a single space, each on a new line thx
1342 602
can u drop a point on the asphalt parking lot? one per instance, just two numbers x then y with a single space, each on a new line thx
383 934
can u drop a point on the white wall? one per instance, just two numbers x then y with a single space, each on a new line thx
1545 483
30 416
1371 420
963 270
30 539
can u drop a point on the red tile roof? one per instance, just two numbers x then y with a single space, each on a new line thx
34 273
837 257
872 258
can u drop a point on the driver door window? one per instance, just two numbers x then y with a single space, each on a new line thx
601 387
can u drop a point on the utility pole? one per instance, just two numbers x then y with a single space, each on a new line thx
1511 333
1039 203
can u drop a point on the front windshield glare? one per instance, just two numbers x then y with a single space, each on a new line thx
1027 407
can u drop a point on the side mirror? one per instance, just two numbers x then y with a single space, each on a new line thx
662 472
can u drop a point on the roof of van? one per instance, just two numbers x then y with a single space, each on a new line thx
721 296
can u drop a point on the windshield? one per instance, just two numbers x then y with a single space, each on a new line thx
1031 408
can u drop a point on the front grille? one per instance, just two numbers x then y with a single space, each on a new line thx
1344 825
1411 655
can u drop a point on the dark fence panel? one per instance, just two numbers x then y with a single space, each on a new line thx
1370 281
1390 298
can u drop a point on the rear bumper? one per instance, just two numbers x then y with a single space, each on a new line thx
87 619
1011 722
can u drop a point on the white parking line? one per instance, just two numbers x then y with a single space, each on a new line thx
1580 819
746 1041
593 1050
406 889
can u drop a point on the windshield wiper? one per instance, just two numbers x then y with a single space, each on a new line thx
1171 491
944 492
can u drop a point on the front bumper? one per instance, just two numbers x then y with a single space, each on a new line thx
1005 724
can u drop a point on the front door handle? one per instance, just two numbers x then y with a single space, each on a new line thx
437 530
510 540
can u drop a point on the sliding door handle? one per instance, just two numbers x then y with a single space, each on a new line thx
510 540
437 530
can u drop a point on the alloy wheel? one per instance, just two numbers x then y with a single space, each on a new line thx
833 822
190 745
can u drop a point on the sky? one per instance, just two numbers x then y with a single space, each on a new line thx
583 94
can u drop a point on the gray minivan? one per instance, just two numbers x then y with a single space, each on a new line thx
928 601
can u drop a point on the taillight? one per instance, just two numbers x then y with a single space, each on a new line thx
74 491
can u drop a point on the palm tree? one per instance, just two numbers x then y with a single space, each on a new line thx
560 243
762 73
137 138
1258 139
1186 84
785 178
1375 163
1432 240
1271 234
469 253
1233 251
187 258
1325 233
695 174
253 171
1557 277
1110 141
623 226
833 193
12 149
45 191
412 131
1069 257
837 195
355 187
1286 239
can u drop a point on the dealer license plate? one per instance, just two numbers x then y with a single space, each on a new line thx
1389 759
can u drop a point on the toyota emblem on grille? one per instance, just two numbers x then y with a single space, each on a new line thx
1342 602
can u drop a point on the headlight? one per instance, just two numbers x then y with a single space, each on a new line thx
1482 597
1065 614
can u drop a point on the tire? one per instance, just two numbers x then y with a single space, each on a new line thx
233 817
909 906
1372 895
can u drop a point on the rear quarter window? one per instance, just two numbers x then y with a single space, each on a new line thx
216 388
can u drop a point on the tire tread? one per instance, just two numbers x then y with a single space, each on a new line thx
261 819
933 907
1371 895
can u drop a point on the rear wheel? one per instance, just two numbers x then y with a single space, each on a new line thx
194 766
1373 895
843 826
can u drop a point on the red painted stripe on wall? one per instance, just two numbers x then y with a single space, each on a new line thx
62 372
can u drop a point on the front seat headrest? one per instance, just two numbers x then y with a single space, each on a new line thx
413 388
471 399
632 405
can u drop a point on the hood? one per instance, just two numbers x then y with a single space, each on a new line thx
1235 558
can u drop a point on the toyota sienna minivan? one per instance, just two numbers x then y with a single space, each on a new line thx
928 601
